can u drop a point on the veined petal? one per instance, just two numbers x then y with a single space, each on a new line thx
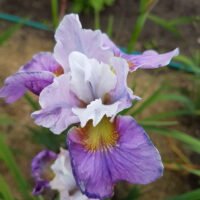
95 111
90 78
110 152
71 37
41 170
16 85
57 101
150 59
43 61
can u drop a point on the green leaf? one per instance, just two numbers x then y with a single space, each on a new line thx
5 190
157 123
164 115
192 195
164 24
191 142
45 137
7 34
7 157
5 120
134 194
54 12
32 103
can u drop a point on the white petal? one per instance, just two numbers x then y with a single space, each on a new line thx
90 79
95 111
63 179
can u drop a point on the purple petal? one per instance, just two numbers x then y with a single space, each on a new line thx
57 101
71 37
43 61
149 59
40 165
16 85
132 158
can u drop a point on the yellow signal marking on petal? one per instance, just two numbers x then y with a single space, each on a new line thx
102 136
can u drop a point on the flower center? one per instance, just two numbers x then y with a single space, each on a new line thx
102 136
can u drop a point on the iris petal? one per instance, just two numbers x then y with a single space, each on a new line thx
132 158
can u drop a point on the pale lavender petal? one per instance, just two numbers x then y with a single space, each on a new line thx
16 85
40 165
56 103
43 61
133 158
121 93
71 37
149 59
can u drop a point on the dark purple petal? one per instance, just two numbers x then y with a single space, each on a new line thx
133 158
16 85
39 168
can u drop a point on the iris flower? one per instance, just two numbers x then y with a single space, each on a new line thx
104 147
53 171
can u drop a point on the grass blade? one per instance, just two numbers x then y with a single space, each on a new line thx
192 195
191 142
7 157
54 12
157 123
5 190
10 31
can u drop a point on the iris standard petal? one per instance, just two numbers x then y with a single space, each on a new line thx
71 37
91 79
16 85
110 152
121 93
56 103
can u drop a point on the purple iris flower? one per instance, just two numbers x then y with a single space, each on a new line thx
90 91
53 171
33 76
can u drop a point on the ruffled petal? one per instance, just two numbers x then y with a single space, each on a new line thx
129 156
121 92
57 101
16 85
90 79
63 179
43 61
95 111
71 37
